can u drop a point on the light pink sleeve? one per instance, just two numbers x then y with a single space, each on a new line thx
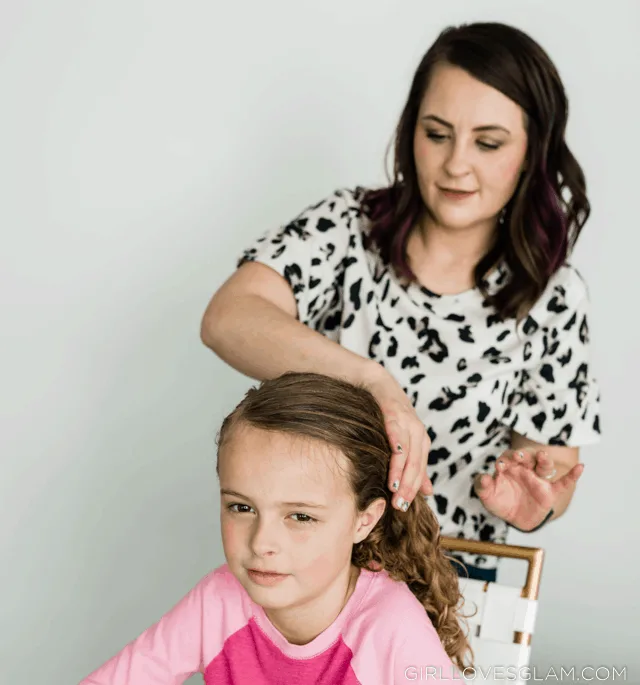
421 657
167 653
394 641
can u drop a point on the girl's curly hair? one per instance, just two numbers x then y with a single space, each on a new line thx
405 545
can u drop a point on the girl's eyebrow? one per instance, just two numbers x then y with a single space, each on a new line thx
232 493
303 505
488 127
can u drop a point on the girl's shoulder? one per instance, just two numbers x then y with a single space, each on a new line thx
390 631
390 608
221 588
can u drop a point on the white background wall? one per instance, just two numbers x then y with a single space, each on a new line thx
143 144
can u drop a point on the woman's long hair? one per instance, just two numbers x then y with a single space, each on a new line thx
405 545
549 207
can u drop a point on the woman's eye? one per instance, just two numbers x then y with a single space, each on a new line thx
488 146
303 518
482 144
436 137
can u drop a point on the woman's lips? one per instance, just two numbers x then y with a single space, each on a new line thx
456 194
265 579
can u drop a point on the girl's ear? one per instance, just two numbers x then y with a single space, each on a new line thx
367 519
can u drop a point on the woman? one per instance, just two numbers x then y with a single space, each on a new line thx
447 294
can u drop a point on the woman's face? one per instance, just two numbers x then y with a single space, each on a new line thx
468 137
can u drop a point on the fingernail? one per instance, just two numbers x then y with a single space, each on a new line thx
395 485
399 448
520 455
402 504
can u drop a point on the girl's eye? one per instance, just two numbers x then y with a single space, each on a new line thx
239 508
304 518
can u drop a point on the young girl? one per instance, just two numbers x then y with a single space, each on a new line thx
325 582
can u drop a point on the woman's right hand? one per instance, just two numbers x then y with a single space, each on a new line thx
408 438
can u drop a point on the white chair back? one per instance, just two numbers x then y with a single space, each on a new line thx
501 618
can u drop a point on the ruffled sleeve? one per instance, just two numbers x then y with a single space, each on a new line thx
557 401
310 252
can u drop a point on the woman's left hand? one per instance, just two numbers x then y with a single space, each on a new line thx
522 491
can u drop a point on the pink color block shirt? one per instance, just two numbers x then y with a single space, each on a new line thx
383 636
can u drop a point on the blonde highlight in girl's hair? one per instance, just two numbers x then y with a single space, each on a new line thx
405 545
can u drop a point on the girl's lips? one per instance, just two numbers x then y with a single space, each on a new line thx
266 579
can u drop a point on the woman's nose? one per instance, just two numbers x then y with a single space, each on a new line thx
457 161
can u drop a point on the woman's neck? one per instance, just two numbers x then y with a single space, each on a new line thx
444 259
299 625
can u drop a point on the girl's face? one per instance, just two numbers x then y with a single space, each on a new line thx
468 137
287 508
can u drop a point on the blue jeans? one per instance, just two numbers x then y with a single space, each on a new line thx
475 572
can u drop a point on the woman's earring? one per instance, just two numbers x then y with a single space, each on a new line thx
502 215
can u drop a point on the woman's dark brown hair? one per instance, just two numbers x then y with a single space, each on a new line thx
405 545
549 207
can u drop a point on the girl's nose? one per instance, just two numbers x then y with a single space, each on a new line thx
265 538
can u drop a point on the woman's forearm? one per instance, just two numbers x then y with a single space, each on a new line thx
262 341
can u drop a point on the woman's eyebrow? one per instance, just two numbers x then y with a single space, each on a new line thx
486 127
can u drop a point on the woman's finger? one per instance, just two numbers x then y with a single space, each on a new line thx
484 485
544 466
414 468
416 486
524 457
396 468
502 464
398 455
569 479
424 458
426 488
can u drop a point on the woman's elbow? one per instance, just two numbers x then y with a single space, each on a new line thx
211 324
